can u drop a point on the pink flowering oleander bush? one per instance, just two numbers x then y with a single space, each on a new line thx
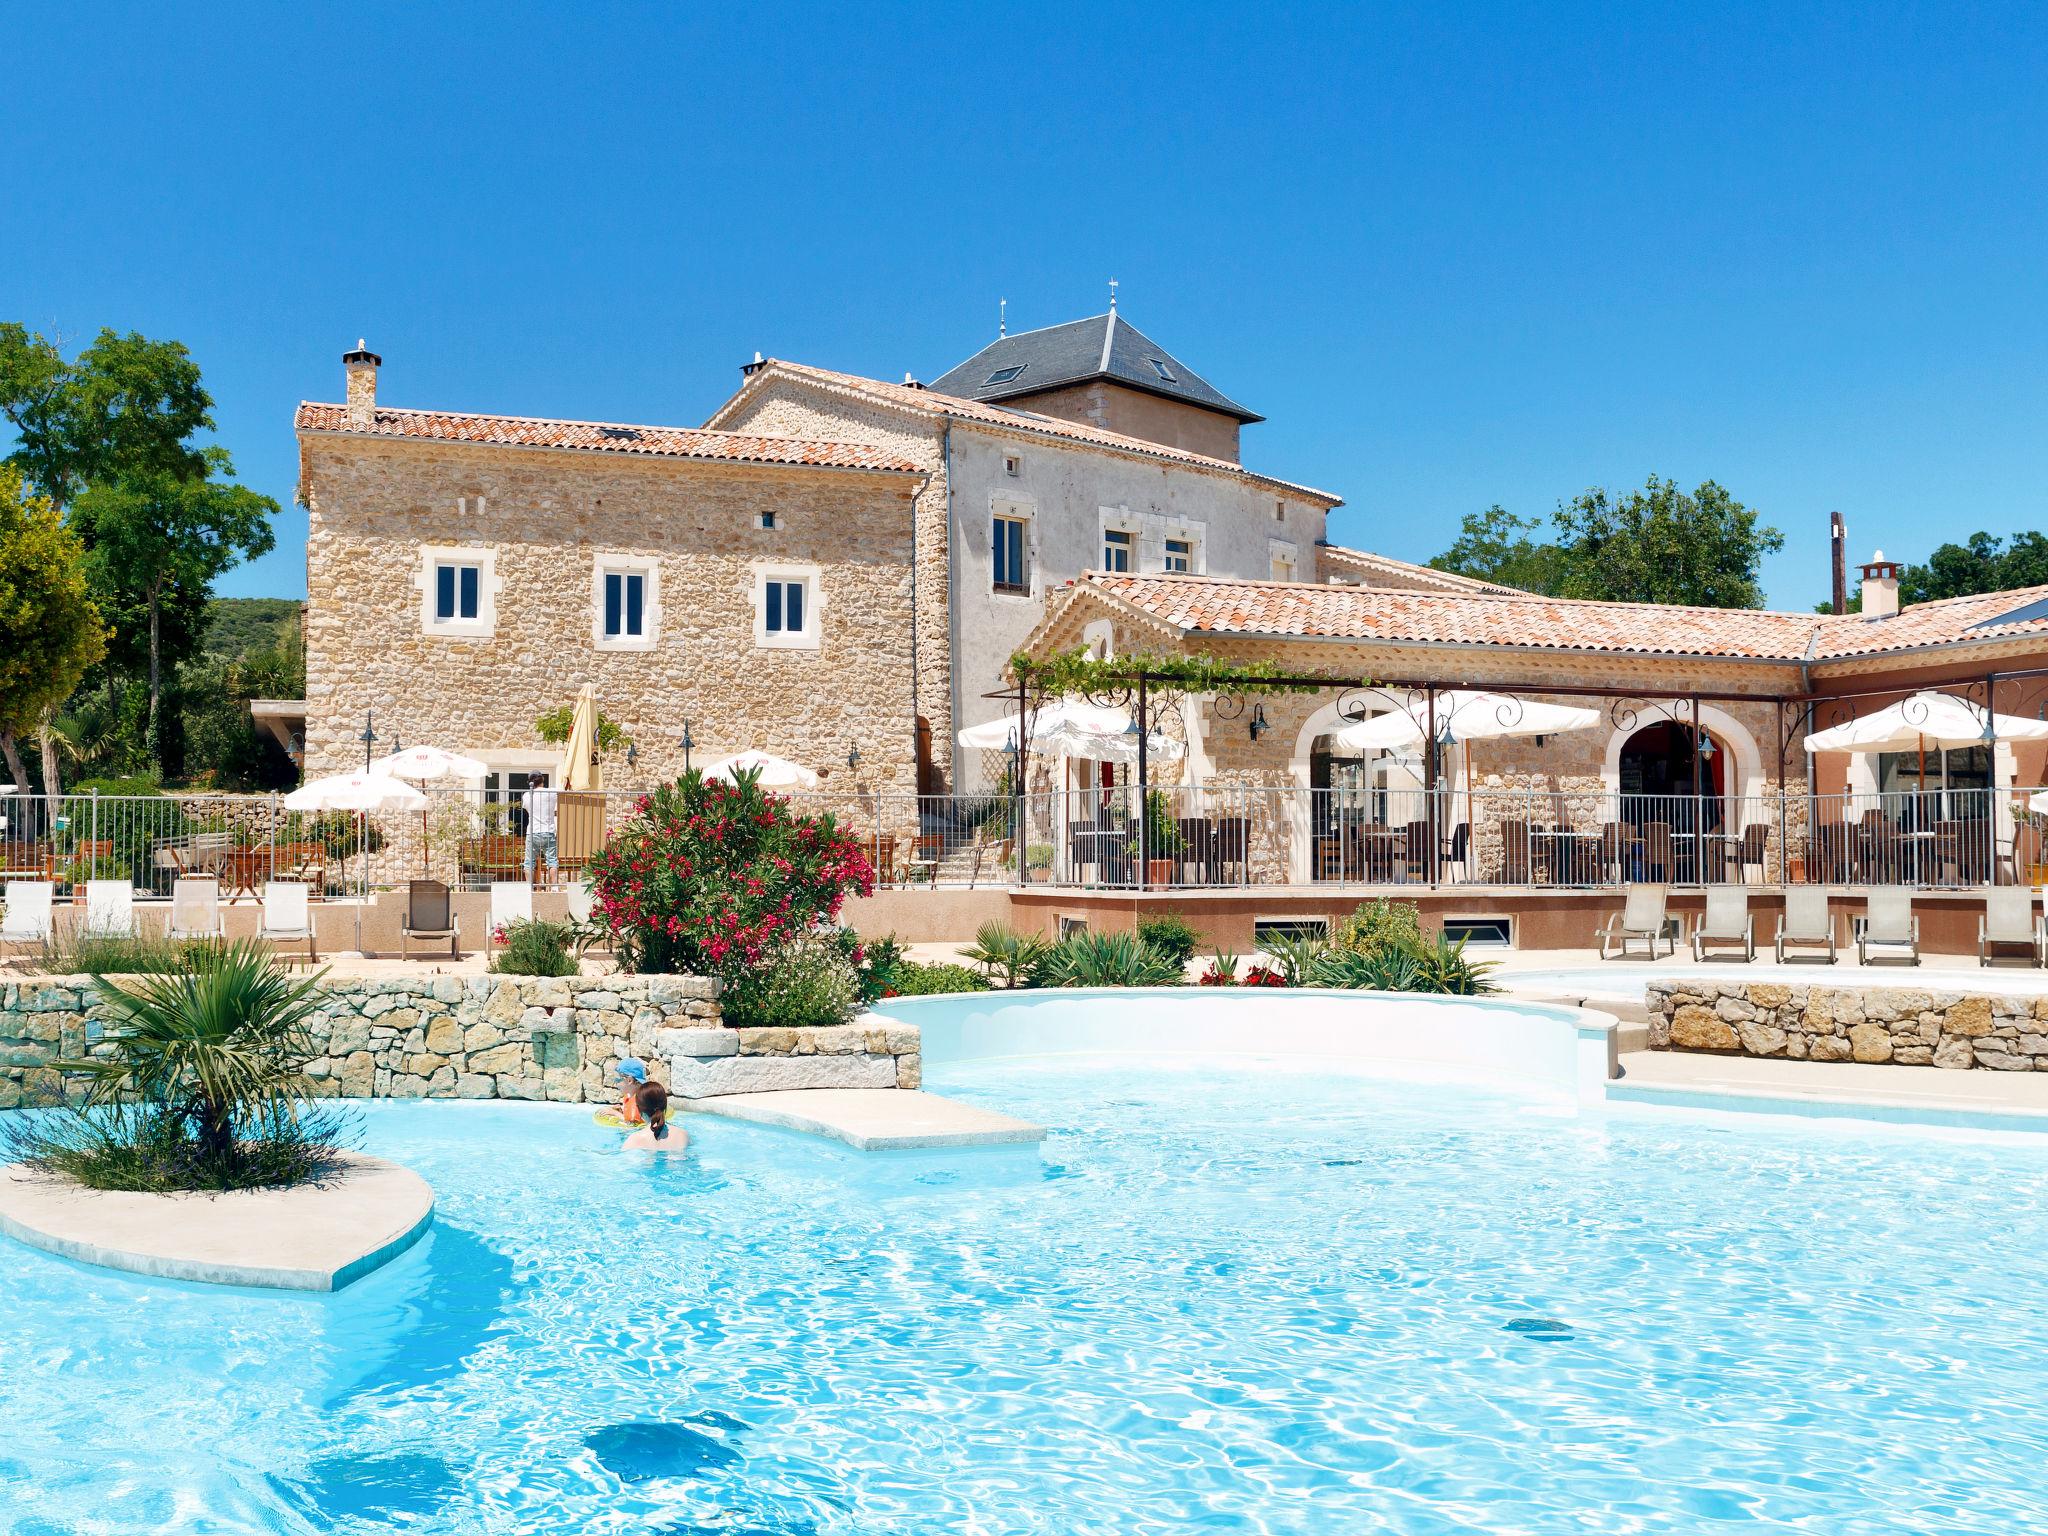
717 879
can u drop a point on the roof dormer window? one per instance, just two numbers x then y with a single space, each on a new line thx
1004 375
1164 372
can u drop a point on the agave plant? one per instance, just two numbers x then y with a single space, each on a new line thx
1442 967
219 1045
1105 960
1004 954
1298 959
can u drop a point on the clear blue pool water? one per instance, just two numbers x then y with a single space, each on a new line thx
1219 1299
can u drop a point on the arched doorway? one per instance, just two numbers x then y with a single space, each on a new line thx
1658 760
1672 796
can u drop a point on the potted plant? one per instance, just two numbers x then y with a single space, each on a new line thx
1162 842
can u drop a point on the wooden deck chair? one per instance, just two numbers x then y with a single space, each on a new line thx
430 916
1642 918
195 910
1807 921
1727 920
110 908
2009 921
287 917
1888 922
28 919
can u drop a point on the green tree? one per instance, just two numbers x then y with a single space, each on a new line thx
1982 563
111 438
1496 545
49 630
1659 544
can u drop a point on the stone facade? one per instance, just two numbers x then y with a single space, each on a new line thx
548 521
1911 1026
498 1037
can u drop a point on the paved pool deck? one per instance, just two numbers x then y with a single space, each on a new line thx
312 1238
874 1119
1976 1100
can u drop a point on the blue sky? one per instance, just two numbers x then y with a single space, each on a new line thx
1456 256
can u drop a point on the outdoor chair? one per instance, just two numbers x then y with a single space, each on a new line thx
1889 923
511 902
1457 848
1657 866
1642 918
1835 850
1514 853
2009 921
1002 848
1756 839
286 916
1233 844
110 909
28 916
1727 920
195 910
1808 920
429 916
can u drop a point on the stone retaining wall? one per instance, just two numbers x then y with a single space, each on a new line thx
1908 1025
498 1037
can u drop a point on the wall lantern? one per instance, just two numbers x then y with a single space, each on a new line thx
1258 725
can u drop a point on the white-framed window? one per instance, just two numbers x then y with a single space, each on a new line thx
1119 546
458 589
786 604
767 519
1010 553
1179 555
625 603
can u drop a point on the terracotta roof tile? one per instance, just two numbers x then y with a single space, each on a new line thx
607 437
1425 578
1305 610
926 402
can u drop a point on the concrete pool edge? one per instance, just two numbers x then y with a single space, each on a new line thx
874 1119
319 1237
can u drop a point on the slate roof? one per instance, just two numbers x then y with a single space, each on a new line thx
1305 610
931 403
606 437
1100 347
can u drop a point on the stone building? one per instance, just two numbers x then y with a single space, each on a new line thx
468 573
1048 454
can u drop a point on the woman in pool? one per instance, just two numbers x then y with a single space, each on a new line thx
657 1135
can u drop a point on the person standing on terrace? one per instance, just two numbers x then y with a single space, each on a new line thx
539 801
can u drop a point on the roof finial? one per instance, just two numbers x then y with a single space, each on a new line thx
1112 295
1002 318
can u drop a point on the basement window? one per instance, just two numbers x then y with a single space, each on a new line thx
1266 929
1481 932
1004 375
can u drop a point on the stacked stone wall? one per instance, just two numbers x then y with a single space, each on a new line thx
495 1037
1909 1026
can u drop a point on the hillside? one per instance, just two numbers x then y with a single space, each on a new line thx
242 626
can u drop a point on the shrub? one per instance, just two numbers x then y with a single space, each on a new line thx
914 979
1169 934
1104 960
1380 924
713 878
75 952
1393 969
199 1084
1264 976
1222 971
1005 955
1442 967
810 981
536 948
875 962
1296 959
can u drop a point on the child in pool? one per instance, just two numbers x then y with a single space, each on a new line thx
657 1135
633 1073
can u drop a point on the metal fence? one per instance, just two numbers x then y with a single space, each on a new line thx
1199 837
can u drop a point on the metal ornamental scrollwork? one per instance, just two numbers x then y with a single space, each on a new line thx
1353 704
1626 714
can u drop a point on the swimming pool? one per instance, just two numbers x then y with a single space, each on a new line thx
1249 1296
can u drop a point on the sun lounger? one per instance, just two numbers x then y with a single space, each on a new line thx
195 910
2009 921
1726 921
1808 921
430 916
110 909
1888 922
1643 919
29 905
287 919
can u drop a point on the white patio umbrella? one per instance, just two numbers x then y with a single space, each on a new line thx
360 793
1924 720
1117 746
776 772
1465 715
422 764
1000 734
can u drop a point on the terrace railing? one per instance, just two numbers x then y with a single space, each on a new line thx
1200 837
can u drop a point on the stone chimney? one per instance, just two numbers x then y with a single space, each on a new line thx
1880 587
361 365
748 370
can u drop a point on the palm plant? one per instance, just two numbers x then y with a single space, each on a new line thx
216 1049
1004 954
1105 960
1443 967
1297 958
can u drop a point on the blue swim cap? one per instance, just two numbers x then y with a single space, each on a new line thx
632 1067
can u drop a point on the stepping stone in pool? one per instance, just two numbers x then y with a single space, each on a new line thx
1548 1329
645 1449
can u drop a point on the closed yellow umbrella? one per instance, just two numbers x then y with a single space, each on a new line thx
579 758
